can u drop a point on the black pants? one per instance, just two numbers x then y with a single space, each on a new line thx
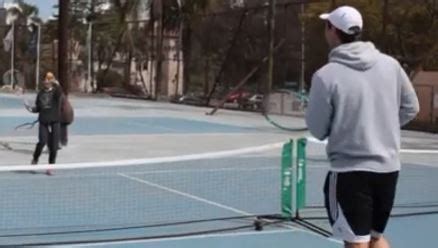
48 135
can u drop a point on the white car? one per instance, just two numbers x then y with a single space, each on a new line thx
255 102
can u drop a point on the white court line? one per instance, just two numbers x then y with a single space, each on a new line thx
418 151
202 170
405 151
412 164
205 236
317 141
197 198
103 174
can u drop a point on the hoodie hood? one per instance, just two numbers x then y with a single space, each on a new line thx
357 55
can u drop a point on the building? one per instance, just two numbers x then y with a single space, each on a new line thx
143 72
426 87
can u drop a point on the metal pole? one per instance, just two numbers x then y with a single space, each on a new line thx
13 55
178 61
63 44
92 80
89 57
159 49
303 49
37 69
91 20
179 49
271 16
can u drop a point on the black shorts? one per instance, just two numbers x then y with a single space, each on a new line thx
359 203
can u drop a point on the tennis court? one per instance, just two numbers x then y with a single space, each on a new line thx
166 197
211 195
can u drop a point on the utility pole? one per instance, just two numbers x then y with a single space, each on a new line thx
13 56
179 48
37 69
271 28
159 48
303 49
90 69
63 44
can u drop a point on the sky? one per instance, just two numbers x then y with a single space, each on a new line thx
45 7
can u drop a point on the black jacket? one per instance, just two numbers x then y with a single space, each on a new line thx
48 105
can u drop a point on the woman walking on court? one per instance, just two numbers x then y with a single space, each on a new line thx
48 106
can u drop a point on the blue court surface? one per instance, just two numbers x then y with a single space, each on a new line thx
128 125
10 102
186 204
203 203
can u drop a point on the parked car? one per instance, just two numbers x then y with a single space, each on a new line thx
238 96
255 102
193 99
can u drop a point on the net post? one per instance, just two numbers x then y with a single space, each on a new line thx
287 181
294 180
301 168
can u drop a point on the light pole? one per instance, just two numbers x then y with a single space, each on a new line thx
13 11
89 20
271 26
63 35
90 57
13 55
36 27
37 69
94 11
303 50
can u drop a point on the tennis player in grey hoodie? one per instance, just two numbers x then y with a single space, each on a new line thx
358 101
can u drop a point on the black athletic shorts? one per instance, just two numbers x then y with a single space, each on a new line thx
359 203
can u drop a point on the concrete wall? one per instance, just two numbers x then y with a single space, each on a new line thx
426 87
285 103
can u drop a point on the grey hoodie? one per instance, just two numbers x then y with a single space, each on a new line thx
359 101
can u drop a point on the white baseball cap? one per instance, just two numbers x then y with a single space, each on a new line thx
344 18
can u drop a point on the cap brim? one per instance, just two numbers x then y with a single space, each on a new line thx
324 16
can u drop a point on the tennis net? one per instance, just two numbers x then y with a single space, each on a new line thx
139 199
